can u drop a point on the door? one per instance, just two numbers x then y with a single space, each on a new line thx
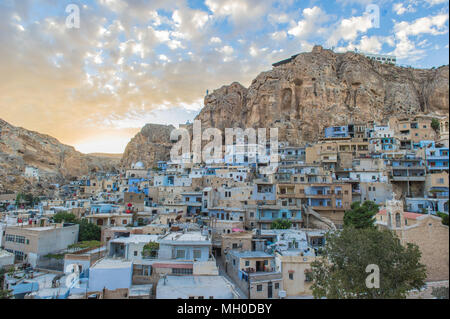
259 266
269 290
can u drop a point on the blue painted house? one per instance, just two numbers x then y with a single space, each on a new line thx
267 214
437 159
336 131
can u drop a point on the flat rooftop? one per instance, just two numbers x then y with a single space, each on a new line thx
136 239
206 282
185 237
109 263
4 253
250 254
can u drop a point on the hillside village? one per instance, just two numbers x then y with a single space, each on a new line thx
229 229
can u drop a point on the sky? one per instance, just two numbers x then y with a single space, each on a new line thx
94 85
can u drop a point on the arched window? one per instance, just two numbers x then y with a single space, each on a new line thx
397 220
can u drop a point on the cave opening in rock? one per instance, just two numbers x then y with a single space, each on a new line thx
286 100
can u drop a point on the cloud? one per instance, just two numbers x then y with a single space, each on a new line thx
399 9
133 60
311 23
405 46
244 14
349 29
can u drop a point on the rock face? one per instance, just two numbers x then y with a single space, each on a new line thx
150 145
56 162
310 91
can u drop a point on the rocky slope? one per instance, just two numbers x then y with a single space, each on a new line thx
322 88
150 145
56 162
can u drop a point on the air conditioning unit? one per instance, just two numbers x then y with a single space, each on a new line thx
282 294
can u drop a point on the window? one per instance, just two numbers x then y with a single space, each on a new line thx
397 220
10 238
135 253
182 271
247 263
259 288
277 285
197 254
266 262
291 276
180 254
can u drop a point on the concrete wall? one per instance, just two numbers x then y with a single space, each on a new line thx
6 260
111 278
433 240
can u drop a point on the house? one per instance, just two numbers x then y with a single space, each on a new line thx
437 158
137 201
185 246
241 240
336 131
130 248
427 205
31 172
254 272
195 287
110 274
267 214
84 258
296 272
30 244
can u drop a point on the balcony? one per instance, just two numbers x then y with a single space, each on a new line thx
437 157
408 178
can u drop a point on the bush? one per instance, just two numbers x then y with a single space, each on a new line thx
444 217
435 124
64 217
89 231
281 224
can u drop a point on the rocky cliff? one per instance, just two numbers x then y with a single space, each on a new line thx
309 91
150 145
56 162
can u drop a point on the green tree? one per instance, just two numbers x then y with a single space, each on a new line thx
150 250
341 271
4 294
281 224
435 124
64 217
27 199
444 217
361 216
88 231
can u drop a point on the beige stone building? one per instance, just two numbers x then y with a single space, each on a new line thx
426 231
295 270
31 243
